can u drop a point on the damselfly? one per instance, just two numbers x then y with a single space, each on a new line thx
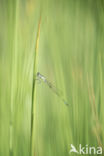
51 86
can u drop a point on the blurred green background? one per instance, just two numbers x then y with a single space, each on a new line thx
71 56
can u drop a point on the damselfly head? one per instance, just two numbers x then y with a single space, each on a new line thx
38 73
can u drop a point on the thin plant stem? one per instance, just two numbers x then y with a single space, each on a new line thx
34 88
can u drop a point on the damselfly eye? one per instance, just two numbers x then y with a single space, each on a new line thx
38 73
